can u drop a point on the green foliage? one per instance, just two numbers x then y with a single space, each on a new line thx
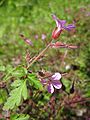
19 72
20 117
67 84
3 96
31 17
34 81
2 68
87 92
19 91
9 70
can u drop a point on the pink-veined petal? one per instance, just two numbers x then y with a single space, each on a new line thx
56 76
43 36
69 27
63 22
58 23
57 84
50 88
44 82
28 41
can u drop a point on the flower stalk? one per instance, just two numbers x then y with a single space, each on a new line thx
39 55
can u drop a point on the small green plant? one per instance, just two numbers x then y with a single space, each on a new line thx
45 85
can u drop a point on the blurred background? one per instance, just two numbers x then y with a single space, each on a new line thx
33 19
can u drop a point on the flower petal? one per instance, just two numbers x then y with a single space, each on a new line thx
56 76
28 41
69 27
43 81
63 22
43 36
50 88
58 23
57 84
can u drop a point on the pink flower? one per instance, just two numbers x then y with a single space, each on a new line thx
60 25
36 37
52 82
43 36
28 41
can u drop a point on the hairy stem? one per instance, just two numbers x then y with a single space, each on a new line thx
39 55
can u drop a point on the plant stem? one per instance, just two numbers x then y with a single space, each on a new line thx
39 55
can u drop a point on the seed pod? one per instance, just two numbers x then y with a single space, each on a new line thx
72 88
63 87
74 67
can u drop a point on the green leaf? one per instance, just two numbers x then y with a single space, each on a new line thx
24 91
67 84
16 83
20 117
9 69
87 94
33 80
19 72
87 90
3 95
2 68
16 95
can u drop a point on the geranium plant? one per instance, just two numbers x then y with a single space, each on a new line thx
29 87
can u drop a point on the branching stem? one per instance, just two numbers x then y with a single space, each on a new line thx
39 55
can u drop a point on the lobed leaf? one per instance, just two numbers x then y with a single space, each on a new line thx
19 72
2 68
16 95
20 117
35 82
